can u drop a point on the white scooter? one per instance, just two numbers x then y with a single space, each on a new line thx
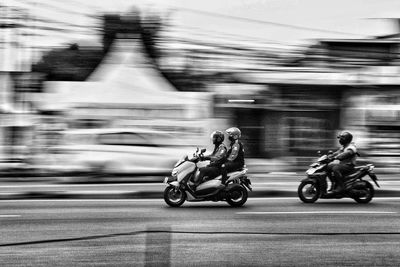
178 190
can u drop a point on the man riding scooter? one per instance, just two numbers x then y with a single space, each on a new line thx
347 156
235 157
217 158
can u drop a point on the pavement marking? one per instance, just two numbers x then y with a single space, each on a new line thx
253 199
84 200
315 212
273 198
9 215
322 200
82 185
283 173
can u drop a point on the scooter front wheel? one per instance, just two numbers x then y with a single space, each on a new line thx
308 192
174 197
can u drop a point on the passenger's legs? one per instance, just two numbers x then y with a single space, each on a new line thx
229 167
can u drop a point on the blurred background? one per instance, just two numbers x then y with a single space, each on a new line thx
130 86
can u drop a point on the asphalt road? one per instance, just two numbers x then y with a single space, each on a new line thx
266 232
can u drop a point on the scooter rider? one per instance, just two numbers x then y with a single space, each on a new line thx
217 158
347 156
235 158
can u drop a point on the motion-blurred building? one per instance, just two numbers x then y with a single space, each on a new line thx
338 84
287 100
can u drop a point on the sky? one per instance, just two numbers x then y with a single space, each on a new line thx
352 18
283 21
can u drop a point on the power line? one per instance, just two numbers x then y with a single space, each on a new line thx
38 4
264 22
227 37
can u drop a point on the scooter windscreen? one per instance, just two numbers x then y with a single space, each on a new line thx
322 158
183 159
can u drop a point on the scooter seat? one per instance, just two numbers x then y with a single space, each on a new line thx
231 174
242 171
357 171
352 175
362 167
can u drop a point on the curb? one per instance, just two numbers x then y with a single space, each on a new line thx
149 194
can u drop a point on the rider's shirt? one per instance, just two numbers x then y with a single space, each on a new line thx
347 154
236 153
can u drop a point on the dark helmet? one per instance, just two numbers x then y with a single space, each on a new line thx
217 137
345 138
233 133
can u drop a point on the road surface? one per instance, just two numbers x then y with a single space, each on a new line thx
266 232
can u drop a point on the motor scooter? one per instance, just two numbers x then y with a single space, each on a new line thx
179 188
315 185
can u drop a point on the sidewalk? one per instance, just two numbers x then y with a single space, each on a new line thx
255 166
20 170
270 178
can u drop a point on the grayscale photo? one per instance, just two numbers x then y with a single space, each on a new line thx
199 133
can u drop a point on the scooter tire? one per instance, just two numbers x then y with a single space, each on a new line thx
237 196
179 199
316 192
367 199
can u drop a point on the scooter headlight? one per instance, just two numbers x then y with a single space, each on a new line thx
371 168
311 171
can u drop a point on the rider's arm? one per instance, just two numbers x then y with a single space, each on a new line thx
219 157
235 152
208 157
348 152
334 154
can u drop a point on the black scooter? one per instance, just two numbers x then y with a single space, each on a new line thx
315 186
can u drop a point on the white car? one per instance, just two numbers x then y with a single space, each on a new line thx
120 151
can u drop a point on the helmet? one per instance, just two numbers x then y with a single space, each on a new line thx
233 133
217 137
345 138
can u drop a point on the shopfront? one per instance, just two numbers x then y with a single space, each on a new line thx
286 119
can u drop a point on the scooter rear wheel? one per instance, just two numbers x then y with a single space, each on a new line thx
174 197
237 196
368 197
308 192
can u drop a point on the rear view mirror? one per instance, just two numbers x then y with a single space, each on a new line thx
203 150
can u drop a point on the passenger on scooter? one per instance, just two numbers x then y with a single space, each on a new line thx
235 158
347 156
217 158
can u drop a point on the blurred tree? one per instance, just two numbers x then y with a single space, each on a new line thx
151 28
76 64
69 64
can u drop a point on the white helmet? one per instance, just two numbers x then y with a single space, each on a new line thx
234 133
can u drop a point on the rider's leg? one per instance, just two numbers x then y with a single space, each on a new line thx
230 167
211 173
339 171
330 175
197 179
207 173
224 173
